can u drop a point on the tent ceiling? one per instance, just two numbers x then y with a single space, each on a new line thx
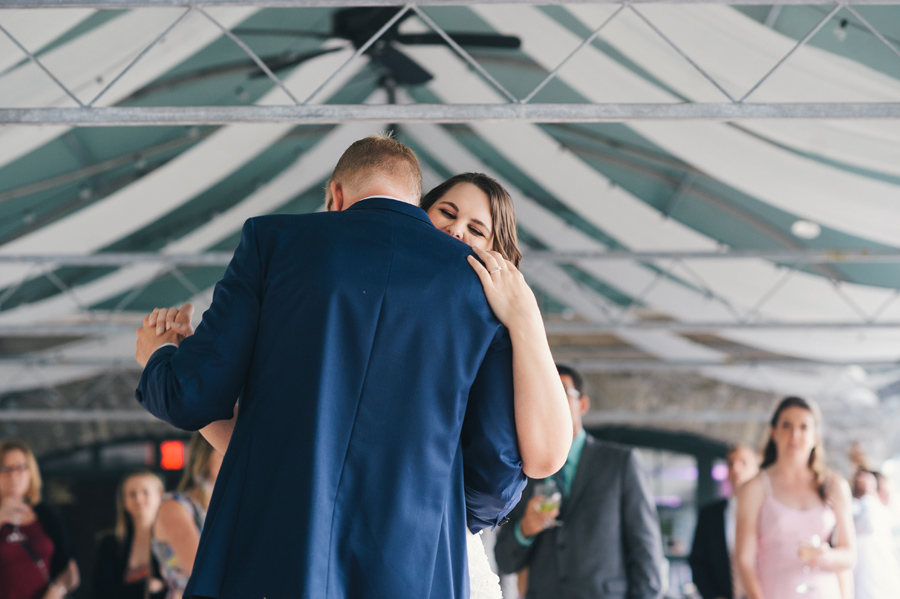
652 243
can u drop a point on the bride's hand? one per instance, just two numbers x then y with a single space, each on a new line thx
508 294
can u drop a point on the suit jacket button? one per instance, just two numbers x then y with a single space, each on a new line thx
503 521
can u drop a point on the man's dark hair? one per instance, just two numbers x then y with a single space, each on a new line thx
577 379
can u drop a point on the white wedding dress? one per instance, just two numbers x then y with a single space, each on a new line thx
483 583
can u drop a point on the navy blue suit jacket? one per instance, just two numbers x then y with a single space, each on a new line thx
376 410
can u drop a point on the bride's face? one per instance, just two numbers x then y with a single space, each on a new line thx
465 213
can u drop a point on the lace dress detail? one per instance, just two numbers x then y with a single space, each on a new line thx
483 583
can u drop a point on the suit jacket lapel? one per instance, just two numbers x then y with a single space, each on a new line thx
720 525
582 475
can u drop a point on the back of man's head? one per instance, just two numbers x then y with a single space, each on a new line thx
380 164
577 379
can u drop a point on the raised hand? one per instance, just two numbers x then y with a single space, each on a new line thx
535 520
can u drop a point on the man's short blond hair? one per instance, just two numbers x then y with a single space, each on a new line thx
378 158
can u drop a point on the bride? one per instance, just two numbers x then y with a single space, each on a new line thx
477 210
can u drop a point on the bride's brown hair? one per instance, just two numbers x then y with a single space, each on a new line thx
503 213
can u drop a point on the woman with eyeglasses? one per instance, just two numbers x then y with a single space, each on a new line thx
35 555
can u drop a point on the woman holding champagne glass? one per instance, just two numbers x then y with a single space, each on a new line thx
35 553
795 535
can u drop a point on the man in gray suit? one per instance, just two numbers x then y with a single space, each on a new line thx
604 540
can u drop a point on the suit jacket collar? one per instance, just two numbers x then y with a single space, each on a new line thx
385 203
581 473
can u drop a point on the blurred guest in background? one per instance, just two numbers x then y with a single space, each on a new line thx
877 571
176 535
795 531
125 567
591 530
884 488
712 555
35 554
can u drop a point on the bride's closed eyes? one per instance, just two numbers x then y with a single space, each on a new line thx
452 216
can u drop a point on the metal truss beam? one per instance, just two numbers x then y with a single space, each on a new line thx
120 259
569 329
592 418
707 327
600 366
119 4
441 113
606 417
823 256
75 416
588 365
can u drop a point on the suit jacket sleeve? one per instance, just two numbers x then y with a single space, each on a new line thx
199 382
700 553
511 555
491 462
642 540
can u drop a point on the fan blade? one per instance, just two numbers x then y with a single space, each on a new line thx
486 40
261 31
404 69
281 63
358 24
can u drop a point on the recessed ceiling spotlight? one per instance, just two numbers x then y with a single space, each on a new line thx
805 229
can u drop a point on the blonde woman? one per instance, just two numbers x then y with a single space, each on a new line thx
35 555
182 514
125 567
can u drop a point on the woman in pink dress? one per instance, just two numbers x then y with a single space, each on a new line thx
795 536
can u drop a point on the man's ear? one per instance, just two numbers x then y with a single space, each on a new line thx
584 404
337 197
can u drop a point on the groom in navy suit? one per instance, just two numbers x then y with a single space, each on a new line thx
376 411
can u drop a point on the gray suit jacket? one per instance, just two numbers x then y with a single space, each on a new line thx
609 545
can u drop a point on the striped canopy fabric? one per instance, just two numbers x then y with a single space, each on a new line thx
760 252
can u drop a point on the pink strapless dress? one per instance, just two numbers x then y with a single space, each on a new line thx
779 568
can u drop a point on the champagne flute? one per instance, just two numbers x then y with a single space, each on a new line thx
551 495
15 535
815 541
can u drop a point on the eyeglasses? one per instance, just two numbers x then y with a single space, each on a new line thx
8 469
573 393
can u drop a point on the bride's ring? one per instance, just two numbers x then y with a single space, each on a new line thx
493 270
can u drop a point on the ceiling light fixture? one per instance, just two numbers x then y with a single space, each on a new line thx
805 229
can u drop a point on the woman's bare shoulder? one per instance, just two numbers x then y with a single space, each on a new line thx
752 491
755 484
837 488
